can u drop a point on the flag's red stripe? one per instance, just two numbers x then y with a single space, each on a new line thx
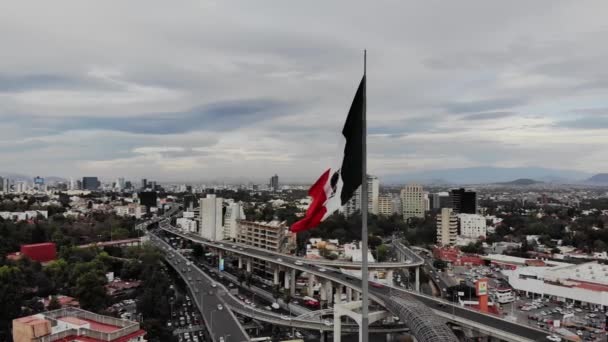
317 209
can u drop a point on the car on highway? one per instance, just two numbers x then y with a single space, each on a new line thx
220 307
233 246
299 263
376 285
240 248
279 260
286 318
328 323
321 269
213 285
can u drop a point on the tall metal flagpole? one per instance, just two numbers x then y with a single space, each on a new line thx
364 272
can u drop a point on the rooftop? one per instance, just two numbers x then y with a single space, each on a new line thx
73 324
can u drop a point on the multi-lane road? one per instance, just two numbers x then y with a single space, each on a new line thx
485 323
221 322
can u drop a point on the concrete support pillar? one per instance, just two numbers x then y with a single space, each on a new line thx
276 275
349 294
323 292
389 277
292 285
248 265
417 279
311 281
220 253
330 292
339 290
338 329
357 296
240 263
287 281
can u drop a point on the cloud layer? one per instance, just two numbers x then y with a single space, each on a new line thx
212 90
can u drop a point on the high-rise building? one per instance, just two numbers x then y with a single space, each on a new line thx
2 184
274 183
412 201
6 185
434 203
211 218
144 183
38 180
147 198
464 202
234 213
472 225
21 187
72 185
447 227
120 184
386 205
90 183
373 192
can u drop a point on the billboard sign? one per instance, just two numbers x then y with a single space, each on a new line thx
482 287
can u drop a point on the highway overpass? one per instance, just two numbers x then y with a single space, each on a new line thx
389 297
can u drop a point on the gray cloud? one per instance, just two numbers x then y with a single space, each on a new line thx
249 89
488 116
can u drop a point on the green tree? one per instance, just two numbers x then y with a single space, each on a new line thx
382 252
11 294
90 290
53 304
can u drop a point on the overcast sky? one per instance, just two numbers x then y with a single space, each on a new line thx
202 90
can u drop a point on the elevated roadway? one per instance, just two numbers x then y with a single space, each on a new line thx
387 296
218 294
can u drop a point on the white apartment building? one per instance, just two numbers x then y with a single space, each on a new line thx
234 212
472 225
447 227
412 201
211 227
373 193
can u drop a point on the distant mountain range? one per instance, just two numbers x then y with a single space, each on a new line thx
488 175
522 182
600 178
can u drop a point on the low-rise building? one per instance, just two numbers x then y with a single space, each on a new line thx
585 284
186 224
24 215
274 235
131 209
72 324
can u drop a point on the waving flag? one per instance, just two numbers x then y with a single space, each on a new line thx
336 186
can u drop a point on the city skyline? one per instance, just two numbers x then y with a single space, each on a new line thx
220 88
